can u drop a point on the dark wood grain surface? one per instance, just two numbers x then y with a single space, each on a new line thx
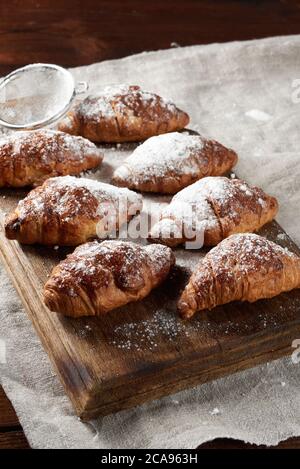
11 433
76 32
73 33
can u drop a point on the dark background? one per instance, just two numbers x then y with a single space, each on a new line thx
77 32
73 33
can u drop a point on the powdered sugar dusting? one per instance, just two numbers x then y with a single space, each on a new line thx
162 155
119 98
93 265
195 204
46 145
99 189
65 197
250 250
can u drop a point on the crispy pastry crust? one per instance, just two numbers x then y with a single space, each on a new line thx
243 267
69 211
98 277
123 114
220 207
30 157
168 163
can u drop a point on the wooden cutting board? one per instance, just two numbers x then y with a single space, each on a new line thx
144 351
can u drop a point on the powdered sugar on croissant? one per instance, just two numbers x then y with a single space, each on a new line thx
69 211
123 113
170 162
99 277
216 206
244 267
30 157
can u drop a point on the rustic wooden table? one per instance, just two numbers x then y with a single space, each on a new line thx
73 32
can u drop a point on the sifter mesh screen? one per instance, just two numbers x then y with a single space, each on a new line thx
35 94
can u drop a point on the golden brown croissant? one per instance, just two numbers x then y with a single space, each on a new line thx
170 162
30 157
216 207
99 277
68 211
243 267
123 114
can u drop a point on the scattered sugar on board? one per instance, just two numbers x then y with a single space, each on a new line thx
282 237
147 334
152 333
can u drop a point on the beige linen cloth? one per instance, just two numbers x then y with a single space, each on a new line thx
241 94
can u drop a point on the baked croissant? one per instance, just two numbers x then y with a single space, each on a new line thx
30 157
170 162
243 267
69 211
99 277
123 114
214 208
